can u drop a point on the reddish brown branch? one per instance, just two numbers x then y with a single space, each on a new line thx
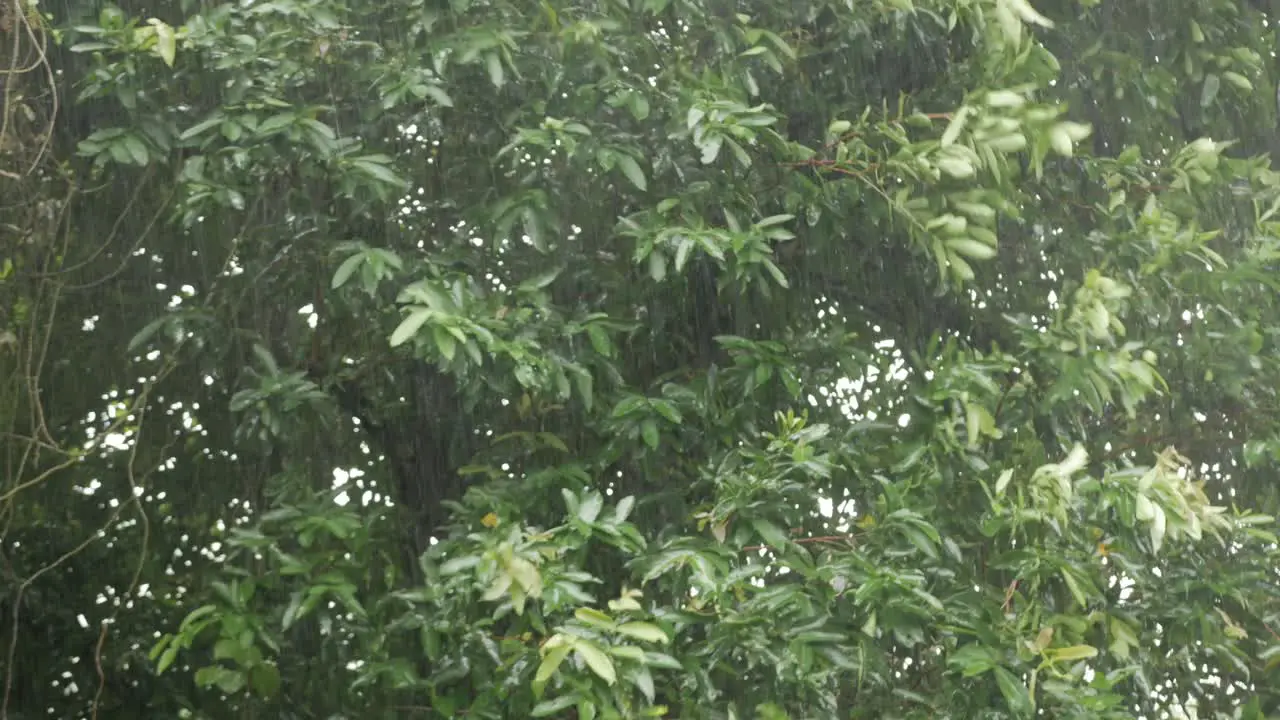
804 541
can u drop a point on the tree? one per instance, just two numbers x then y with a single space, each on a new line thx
662 358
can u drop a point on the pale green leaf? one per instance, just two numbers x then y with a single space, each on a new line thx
1209 91
493 65
971 248
590 508
166 41
643 681
624 508
644 631
1060 141
1075 652
597 660
955 127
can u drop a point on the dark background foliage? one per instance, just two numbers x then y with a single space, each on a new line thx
648 358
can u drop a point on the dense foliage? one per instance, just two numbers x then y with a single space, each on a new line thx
639 358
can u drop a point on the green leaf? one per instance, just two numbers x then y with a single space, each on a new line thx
147 332
644 631
276 123
1003 481
161 645
594 617
590 508
597 660
1060 141
774 271
459 564
772 534
773 220
1209 91
585 382
920 540
667 410
771 711
493 65
600 341
446 343
202 127
639 106
380 172
959 267
207 676
643 681
296 610
137 151
438 94
956 167
971 248
547 708
166 42
683 249
1157 528
649 433
694 117
526 575
623 510
166 658
972 423
929 599
227 649
541 280
500 586
955 127
319 128
1028 14
657 266
711 149
631 169
346 269
1076 592
661 661
198 614
627 652
1014 691
1239 81
264 680
1075 652
230 681
973 659
551 662
953 549
409 326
